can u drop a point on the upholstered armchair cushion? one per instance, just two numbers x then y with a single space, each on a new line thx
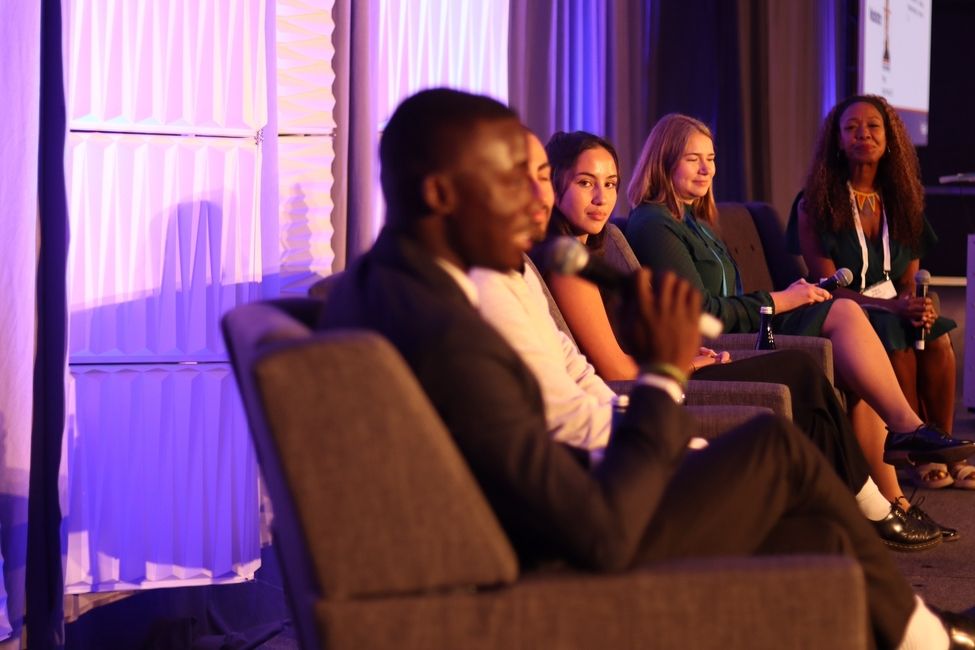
617 252
402 550
734 401
755 235
743 345
415 520
774 397
713 420
705 604
373 475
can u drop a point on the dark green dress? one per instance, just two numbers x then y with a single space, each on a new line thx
844 249
690 249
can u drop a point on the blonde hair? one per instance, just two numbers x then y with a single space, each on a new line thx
653 177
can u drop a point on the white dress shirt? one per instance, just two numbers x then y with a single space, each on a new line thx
578 403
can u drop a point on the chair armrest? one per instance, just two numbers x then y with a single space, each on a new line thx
712 420
774 397
703 392
621 386
819 347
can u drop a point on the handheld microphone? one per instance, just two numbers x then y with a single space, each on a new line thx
921 281
842 278
568 256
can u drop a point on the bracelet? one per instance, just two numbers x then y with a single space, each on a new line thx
667 370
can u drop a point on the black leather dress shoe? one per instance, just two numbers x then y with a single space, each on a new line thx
902 532
947 534
926 444
960 628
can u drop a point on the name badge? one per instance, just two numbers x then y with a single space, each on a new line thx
883 289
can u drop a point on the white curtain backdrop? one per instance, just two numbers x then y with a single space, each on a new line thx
401 47
20 90
198 179
169 231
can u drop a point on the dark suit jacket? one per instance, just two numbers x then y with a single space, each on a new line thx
550 504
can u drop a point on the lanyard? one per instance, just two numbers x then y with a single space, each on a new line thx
884 238
703 233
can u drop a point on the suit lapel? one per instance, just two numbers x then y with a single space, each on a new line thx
401 252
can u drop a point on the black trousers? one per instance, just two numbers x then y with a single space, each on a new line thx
764 488
815 410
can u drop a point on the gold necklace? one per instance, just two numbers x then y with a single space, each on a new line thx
865 198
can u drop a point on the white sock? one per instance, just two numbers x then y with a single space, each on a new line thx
872 503
924 630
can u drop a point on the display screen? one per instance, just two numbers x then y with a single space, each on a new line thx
895 58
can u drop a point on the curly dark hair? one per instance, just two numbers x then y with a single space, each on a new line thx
563 150
826 197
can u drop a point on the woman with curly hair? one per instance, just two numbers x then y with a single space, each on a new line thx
863 208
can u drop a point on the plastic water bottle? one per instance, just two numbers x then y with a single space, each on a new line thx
765 340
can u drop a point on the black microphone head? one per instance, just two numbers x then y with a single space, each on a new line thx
844 277
566 256
922 277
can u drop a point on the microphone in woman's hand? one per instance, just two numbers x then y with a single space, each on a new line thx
842 278
568 256
922 279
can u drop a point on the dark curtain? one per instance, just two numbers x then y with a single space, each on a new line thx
557 85
45 590
615 68
758 72
694 69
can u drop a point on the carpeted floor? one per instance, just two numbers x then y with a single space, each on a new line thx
945 575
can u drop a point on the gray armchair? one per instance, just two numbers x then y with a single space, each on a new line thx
386 541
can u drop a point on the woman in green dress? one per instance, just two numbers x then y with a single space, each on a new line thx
862 208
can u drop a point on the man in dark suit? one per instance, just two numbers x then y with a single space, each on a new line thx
456 182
